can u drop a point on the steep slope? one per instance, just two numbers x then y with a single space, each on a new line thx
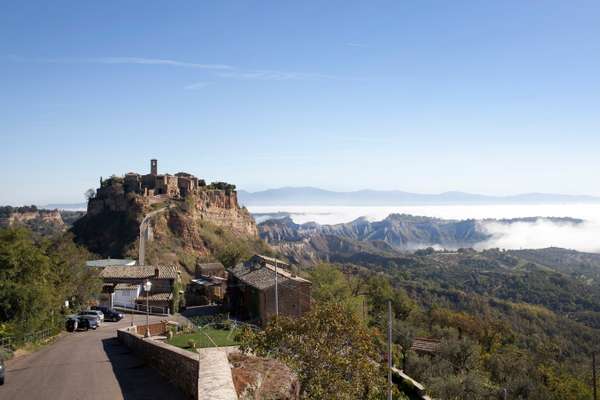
40 221
199 226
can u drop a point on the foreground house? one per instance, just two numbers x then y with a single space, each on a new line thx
251 290
123 286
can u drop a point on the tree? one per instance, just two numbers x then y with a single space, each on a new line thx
330 285
89 194
232 254
333 353
37 276
404 335
380 291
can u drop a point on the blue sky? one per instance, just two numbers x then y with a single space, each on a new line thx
425 96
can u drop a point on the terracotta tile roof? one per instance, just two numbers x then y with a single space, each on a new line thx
269 260
140 272
262 277
425 345
126 286
209 268
110 262
159 296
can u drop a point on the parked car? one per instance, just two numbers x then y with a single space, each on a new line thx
78 323
93 320
1 370
97 313
109 313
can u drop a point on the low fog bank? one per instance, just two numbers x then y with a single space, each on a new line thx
519 235
541 234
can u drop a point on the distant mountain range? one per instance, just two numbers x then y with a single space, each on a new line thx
315 196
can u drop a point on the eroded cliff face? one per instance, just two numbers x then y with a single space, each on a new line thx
219 207
183 229
222 209
44 222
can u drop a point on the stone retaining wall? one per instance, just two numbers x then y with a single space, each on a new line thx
156 329
180 367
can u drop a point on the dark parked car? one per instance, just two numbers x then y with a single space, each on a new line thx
96 313
80 322
1 370
93 321
109 313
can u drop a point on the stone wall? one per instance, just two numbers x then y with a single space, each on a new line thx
178 366
293 298
156 329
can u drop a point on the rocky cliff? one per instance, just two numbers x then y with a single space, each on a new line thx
183 229
43 222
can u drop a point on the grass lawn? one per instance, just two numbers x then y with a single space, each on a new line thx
220 337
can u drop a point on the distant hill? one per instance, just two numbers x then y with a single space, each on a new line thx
312 242
43 222
315 196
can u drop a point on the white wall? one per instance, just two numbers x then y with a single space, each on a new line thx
126 297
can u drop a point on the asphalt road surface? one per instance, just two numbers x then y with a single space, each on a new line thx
86 365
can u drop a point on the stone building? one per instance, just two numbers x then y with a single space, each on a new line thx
179 185
251 290
123 285
208 286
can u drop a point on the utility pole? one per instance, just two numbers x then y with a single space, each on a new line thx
594 374
143 230
364 309
389 356
276 292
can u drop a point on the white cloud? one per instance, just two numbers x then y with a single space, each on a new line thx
120 60
269 75
153 61
197 85
220 70
354 44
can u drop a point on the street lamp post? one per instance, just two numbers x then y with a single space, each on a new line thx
147 287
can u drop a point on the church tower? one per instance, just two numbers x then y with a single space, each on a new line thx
153 167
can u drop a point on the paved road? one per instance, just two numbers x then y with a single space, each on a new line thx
85 365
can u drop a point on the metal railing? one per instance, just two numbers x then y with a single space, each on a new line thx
10 343
6 343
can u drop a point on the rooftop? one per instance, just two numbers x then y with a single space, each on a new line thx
126 286
425 345
158 296
211 266
109 262
140 272
263 277
270 260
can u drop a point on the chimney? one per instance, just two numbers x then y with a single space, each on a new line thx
156 272
154 167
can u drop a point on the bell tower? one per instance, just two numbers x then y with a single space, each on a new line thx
153 167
